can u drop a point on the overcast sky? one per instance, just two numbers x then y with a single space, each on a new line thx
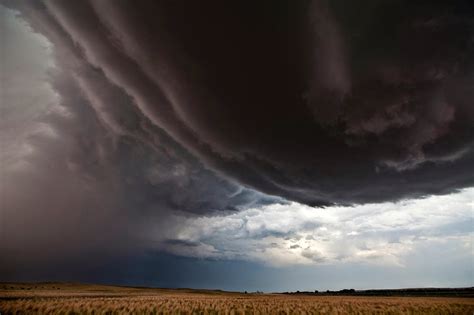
274 146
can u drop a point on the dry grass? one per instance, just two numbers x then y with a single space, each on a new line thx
116 300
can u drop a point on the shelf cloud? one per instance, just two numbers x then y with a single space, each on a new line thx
178 125
262 95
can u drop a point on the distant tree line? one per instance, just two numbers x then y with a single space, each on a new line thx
458 292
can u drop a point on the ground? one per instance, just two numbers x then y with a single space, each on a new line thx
61 298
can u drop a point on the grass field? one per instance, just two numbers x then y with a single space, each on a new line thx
54 298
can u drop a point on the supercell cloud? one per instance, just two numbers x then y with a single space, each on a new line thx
315 101
119 117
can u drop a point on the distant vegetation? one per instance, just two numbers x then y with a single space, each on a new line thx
420 292
54 298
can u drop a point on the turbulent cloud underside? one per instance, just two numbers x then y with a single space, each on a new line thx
309 101
283 133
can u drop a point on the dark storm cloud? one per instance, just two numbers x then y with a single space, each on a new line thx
96 173
85 190
168 116
129 143
319 102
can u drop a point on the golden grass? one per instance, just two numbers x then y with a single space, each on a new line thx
116 300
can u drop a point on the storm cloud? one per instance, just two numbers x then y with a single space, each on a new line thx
310 101
135 125
82 169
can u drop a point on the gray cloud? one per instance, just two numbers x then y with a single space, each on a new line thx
391 113
82 169
129 125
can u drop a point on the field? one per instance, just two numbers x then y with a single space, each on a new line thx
54 298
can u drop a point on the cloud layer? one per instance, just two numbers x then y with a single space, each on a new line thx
210 130
310 101
82 170
294 234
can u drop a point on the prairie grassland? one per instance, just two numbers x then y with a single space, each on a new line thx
100 300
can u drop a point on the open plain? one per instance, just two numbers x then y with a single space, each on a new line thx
56 298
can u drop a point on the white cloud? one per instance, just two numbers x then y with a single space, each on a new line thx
296 234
